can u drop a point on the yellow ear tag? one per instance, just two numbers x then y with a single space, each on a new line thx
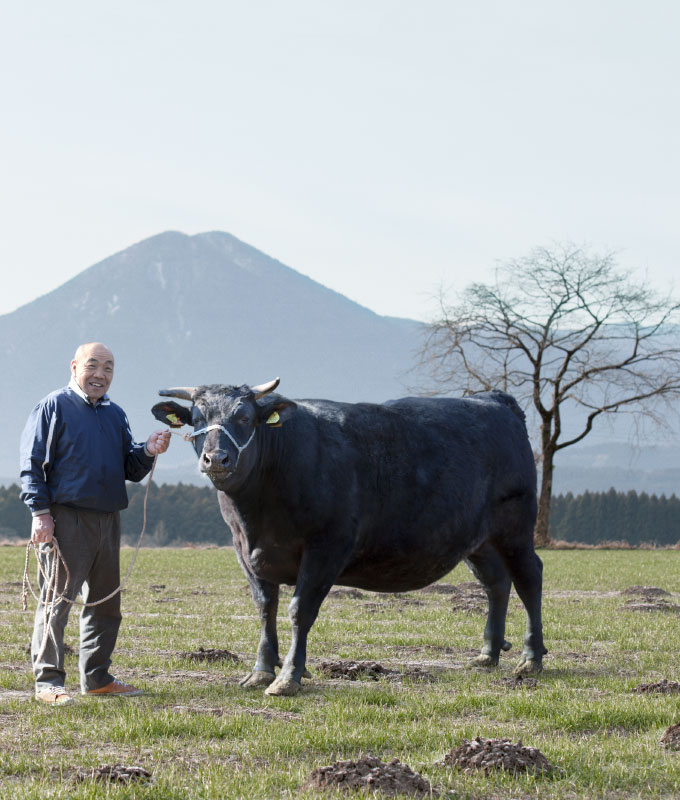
274 418
174 420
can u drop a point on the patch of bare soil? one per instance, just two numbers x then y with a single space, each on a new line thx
372 774
117 773
15 694
661 687
469 597
211 654
646 591
157 587
671 739
352 594
400 599
496 754
267 713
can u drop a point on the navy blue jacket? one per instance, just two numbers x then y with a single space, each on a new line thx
78 454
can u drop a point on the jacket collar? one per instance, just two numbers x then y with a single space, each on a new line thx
73 386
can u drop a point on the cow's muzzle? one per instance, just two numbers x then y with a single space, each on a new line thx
218 463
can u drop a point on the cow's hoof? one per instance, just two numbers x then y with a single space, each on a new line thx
307 674
257 679
528 666
283 688
483 660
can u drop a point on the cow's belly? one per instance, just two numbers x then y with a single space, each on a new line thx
397 574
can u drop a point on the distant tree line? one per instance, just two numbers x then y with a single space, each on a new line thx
176 514
595 517
180 514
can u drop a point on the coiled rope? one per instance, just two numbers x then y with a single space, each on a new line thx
51 576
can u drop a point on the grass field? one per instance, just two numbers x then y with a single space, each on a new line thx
202 736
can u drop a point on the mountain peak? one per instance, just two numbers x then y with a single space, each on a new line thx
207 308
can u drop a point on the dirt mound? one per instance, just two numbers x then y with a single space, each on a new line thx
353 670
356 670
646 591
661 687
652 605
371 774
114 774
211 654
671 739
495 754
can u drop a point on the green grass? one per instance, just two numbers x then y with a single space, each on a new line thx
202 736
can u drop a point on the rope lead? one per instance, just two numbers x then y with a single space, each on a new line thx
52 598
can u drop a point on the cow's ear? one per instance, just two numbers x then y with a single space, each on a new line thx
275 411
172 414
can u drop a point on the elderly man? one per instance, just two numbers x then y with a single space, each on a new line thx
76 454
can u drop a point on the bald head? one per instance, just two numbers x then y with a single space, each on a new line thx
92 368
85 350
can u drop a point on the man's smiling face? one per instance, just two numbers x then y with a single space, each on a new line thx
92 368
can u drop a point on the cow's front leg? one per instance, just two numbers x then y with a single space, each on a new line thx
266 597
315 578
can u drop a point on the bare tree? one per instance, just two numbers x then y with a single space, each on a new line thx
561 328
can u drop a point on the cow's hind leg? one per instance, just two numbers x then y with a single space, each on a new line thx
488 567
512 537
266 597
526 571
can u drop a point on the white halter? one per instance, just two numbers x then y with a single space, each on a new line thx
240 447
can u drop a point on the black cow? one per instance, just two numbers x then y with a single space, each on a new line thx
387 498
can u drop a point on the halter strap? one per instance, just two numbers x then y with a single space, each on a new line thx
240 447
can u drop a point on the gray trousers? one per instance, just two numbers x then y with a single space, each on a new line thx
90 544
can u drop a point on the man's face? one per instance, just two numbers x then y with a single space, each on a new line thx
93 370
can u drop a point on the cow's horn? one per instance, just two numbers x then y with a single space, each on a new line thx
265 388
182 392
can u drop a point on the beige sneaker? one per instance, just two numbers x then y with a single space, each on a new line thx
116 689
54 695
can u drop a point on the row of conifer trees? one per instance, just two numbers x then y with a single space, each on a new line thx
183 514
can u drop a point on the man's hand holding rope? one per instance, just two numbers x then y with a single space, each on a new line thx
158 442
42 528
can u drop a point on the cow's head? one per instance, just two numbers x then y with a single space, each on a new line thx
226 420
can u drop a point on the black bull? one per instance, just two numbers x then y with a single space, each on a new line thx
387 498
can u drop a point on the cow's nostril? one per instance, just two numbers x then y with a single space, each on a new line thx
217 460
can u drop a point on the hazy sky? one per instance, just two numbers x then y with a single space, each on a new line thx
382 147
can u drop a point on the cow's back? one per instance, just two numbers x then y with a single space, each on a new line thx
420 479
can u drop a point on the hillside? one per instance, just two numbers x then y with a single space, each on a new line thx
187 310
